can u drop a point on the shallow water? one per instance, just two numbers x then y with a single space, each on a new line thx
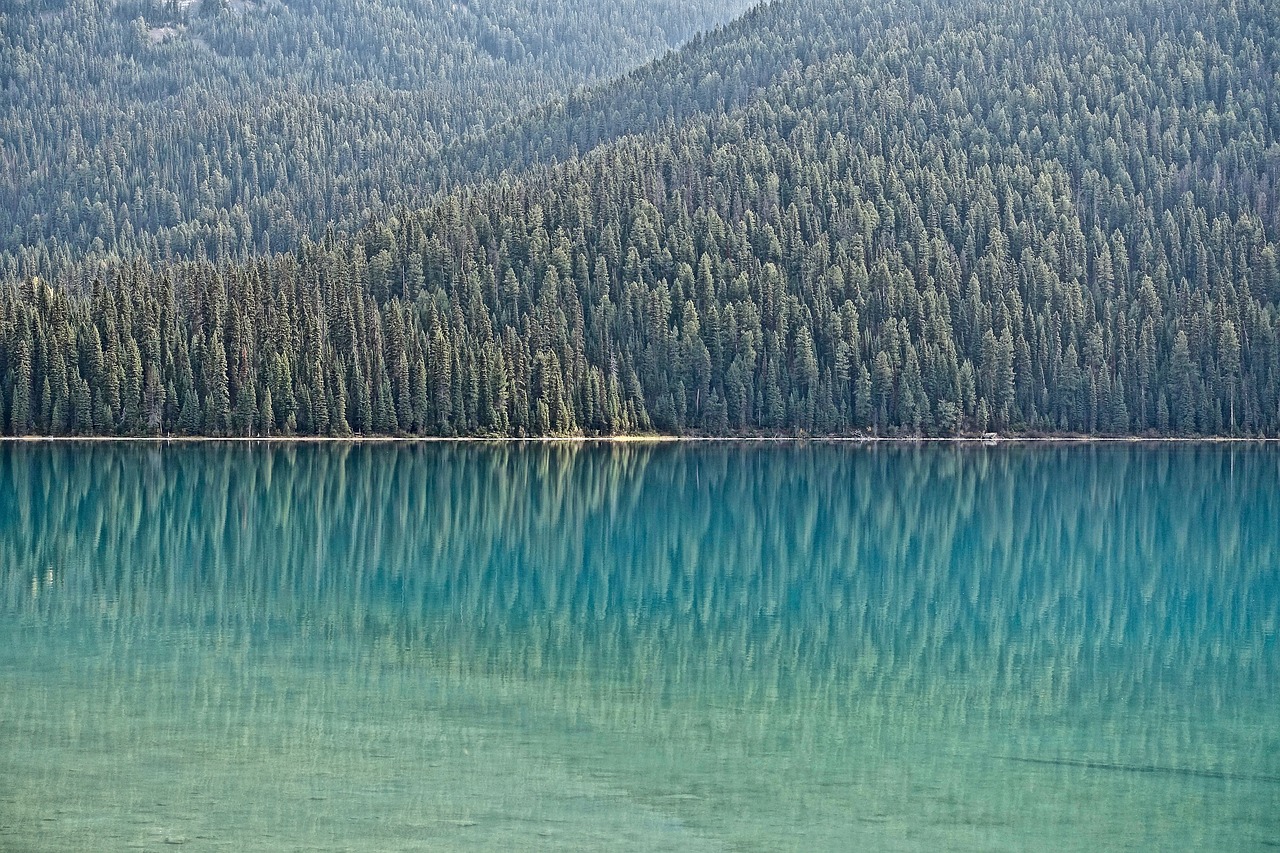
656 648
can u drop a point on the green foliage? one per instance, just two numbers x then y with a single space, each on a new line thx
169 127
1059 217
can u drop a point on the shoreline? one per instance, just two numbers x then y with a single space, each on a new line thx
985 441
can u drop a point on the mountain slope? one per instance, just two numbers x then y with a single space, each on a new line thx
168 126
955 218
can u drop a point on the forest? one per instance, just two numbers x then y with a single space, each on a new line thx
824 218
155 127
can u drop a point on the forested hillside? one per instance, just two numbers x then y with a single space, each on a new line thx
230 126
929 218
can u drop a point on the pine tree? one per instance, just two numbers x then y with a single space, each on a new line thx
20 411
217 392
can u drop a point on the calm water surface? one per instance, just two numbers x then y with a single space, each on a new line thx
725 647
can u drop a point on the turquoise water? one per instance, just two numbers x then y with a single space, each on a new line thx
714 647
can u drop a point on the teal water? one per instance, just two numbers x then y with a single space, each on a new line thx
720 647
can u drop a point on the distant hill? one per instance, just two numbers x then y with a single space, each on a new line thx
238 125
915 218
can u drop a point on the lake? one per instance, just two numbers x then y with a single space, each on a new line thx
721 646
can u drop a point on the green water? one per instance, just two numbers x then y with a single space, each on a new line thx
723 647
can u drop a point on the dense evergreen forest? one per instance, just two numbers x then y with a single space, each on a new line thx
903 218
160 126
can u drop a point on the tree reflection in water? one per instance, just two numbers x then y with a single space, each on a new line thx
926 645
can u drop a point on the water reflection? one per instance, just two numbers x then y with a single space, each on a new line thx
790 646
